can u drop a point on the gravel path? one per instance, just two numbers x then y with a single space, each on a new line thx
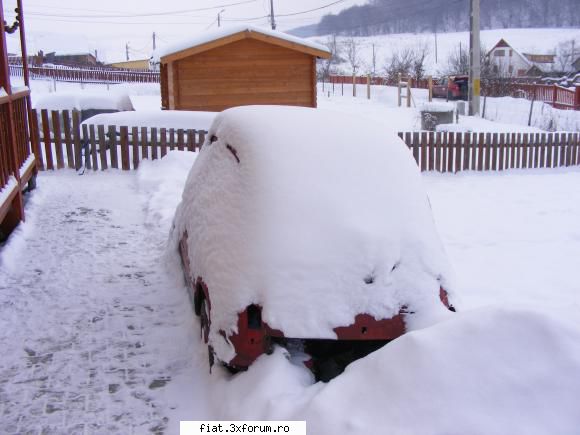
92 327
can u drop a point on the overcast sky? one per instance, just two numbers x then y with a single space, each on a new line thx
108 25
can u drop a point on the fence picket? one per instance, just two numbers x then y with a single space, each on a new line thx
102 139
93 148
431 150
85 147
144 146
190 140
549 150
201 138
57 139
450 151
437 148
125 165
423 153
501 156
135 142
444 150
77 139
171 139
163 133
576 147
415 144
36 141
66 126
112 136
494 151
466 150
561 141
180 140
154 143
515 158
47 141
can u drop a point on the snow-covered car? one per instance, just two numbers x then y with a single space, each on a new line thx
310 229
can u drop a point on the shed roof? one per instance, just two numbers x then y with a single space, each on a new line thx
209 40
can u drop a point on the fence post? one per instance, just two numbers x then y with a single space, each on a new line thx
430 88
368 86
554 95
354 85
399 90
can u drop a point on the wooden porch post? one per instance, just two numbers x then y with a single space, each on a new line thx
17 212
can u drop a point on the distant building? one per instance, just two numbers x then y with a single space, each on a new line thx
69 59
509 62
141 64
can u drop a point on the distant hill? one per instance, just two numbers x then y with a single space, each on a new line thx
412 16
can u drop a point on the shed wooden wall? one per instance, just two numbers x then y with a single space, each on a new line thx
242 73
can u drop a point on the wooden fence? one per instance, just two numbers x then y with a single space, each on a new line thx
454 152
67 143
87 75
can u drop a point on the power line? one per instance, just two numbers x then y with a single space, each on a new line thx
151 14
288 15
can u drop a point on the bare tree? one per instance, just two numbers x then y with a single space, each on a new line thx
352 49
334 59
566 53
409 62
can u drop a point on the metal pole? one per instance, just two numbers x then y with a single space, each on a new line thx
154 42
474 58
127 50
272 20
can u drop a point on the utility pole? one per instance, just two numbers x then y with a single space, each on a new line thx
474 58
127 50
435 46
374 61
219 18
154 44
272 20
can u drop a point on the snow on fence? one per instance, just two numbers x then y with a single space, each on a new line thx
67 143
87 75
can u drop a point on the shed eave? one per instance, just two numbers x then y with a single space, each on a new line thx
244 34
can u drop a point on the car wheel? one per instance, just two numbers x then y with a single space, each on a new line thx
204 319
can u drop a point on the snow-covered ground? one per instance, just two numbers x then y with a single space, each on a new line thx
98 336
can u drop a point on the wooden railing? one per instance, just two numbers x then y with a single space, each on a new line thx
13 155
67 143
87 75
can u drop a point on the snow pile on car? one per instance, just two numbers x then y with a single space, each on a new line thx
314 215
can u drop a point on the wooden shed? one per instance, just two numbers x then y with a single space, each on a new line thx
237 67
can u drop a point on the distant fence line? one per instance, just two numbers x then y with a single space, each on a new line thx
555 95
65 143
87 75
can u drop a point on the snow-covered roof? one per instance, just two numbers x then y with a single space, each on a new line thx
324 217
225 34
